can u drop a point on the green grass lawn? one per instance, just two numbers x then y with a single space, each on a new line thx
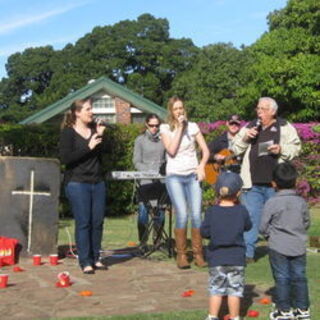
120 231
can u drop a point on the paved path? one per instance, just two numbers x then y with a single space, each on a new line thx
132 286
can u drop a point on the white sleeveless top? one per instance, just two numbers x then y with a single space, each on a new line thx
185 161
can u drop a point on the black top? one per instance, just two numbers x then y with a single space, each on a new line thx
261 167
82 164
218 144
224 226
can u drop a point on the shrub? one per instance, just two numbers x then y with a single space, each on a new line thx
43 141
307 164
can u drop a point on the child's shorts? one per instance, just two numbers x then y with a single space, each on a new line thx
226 281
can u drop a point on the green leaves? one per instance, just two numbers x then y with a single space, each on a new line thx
211 86
136 53
287 62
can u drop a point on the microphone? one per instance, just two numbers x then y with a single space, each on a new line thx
101 122
258 124
184 121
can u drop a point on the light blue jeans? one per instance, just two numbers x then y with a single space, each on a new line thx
186 195
254 199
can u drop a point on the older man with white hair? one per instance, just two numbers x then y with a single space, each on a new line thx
264 142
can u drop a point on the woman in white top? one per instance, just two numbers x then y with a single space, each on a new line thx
184 174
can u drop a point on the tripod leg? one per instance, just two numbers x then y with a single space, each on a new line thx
170 240
143 233
158 225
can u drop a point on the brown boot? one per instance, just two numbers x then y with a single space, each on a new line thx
197 248
181 245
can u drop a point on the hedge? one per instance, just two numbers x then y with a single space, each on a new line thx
42 141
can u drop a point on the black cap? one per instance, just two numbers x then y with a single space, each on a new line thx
234 119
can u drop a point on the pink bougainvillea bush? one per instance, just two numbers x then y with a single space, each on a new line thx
307 164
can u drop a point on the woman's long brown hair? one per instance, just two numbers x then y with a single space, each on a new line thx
171 119
69 118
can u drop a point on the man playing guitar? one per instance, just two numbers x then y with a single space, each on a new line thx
220 153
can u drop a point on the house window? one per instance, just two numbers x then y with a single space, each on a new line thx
138 117
103 103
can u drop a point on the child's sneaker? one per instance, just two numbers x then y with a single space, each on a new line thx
211 318
301 314
281 315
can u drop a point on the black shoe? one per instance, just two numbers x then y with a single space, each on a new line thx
281 315
302 314
100 266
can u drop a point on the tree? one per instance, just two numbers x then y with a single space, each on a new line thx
287 62
139 54
210 87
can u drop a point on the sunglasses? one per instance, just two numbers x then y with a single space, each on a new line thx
153 125
234 124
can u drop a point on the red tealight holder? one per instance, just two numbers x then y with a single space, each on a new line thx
86 293
188 293
265 301
18 269
253 314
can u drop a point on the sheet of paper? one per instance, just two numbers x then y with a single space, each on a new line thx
263 148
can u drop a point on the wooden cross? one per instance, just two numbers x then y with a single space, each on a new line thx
31 193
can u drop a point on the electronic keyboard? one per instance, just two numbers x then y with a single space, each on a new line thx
135 175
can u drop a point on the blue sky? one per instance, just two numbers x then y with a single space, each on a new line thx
35 23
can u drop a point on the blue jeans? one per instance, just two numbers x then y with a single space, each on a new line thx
88 207
143 215
254 200
289 274
186 196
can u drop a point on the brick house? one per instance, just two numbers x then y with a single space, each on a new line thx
111 101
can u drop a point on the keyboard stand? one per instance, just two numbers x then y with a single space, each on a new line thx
148 193
161 239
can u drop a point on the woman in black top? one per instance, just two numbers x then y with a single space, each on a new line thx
80 151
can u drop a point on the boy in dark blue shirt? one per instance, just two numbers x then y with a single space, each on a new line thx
224 225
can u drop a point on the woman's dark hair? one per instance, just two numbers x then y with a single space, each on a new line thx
148 118
69 118
152 116
285 175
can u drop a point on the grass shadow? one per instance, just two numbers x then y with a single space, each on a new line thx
247 301
261 251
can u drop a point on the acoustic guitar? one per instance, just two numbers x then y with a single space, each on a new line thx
213 169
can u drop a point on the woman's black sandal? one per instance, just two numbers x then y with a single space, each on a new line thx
100 266
88 270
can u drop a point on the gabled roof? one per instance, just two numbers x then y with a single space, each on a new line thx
111 87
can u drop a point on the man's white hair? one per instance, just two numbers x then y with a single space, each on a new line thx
272 103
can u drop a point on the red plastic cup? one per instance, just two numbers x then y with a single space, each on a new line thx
53 259
3 280
37 259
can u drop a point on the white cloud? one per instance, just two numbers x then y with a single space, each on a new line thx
23 20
